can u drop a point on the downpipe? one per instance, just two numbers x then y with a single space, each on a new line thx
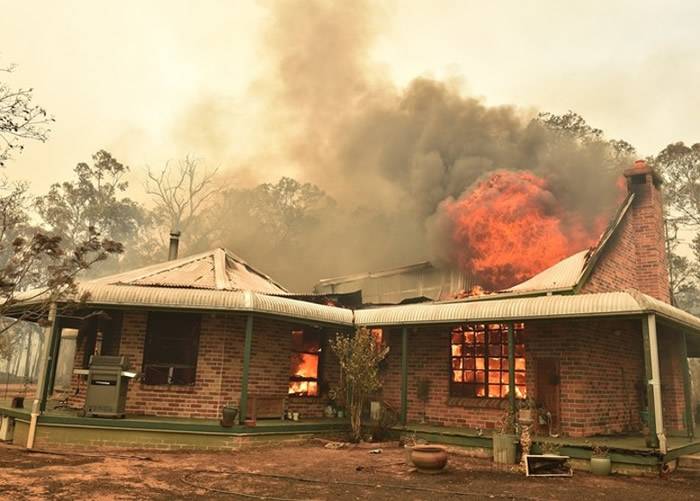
36 412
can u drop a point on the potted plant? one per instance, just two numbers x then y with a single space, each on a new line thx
423 394
600 461
229 413
527 412
505 441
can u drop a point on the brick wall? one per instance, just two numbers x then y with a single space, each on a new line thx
219 368
636 255
671 370
601 369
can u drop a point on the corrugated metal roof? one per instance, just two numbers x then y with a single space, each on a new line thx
217 269
212 300
563 275
526 308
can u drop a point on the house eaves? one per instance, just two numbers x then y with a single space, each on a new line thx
608 304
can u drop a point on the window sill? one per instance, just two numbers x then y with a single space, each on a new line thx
478 403
304 397
181 388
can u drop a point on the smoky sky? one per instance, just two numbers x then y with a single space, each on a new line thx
390 155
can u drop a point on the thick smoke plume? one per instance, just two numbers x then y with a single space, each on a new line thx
402 162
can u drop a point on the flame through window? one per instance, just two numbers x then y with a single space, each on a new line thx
304 363
479 361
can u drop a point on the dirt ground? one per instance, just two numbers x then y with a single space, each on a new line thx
157 475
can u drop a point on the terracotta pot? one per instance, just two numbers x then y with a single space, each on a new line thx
601 466
429 458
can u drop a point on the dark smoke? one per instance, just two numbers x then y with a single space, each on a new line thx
390 155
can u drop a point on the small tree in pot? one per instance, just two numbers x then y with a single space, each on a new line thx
600 460
359 357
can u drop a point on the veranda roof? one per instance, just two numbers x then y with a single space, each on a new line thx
216 280
484 309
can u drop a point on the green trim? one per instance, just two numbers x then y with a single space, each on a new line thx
50 370
583 452
511 368
243 407
687 388
653 438
464 439
404 375
685 450
266 427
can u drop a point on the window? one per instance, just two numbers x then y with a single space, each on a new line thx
304 363
170 352
479 361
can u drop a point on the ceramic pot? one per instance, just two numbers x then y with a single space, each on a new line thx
429 458
601 466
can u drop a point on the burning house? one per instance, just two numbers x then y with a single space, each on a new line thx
593 339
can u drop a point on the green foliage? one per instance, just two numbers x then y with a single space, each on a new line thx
95 203
679 165
359 357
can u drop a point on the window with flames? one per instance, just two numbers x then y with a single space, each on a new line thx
304 363
479 361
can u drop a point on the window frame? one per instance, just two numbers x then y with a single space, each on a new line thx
319 368
458 389
194 324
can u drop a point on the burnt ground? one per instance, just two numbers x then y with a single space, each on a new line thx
184 475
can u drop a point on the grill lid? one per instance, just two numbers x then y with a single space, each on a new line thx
108 362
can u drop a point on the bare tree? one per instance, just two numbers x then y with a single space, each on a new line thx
180 191
20 119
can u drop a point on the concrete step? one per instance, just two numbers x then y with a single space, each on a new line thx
689 463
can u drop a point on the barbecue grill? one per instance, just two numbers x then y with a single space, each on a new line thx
107 383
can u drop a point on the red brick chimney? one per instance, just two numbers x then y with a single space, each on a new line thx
647 221
635 256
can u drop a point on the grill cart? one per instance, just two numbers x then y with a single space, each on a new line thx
107 384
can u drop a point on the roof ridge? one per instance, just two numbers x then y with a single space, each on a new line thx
176 263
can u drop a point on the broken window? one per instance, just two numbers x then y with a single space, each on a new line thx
479 361
304 362
171 346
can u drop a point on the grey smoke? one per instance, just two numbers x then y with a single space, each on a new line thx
390 155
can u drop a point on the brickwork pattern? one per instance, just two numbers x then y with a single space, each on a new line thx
601 369
636 256
219 369
671 371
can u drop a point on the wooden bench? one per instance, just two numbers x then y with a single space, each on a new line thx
265 407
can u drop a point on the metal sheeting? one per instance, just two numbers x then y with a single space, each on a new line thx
130 296
528 308
563 275
217 269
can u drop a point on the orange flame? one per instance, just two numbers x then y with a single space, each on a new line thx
510 227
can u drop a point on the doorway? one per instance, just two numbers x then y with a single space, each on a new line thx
548 389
